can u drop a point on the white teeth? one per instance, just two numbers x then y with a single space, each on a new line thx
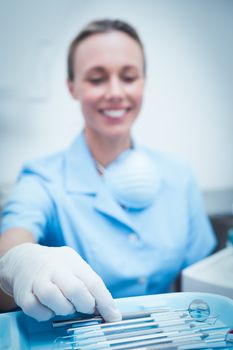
114 113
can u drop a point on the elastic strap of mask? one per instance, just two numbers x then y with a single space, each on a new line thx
100 168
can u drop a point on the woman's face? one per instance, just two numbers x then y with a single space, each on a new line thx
108 82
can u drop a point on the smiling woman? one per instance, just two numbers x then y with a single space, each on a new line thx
67 229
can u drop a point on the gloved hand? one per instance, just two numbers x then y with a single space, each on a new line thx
48 281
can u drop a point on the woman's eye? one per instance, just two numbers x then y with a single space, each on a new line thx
129 79
96 81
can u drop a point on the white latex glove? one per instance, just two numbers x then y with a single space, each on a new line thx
48 281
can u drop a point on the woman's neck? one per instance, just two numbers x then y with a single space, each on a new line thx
105 150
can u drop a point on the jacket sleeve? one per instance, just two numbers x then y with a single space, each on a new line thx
201 239
29 206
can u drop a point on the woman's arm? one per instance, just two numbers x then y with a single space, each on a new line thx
47 281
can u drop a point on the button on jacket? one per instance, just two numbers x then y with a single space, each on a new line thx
62 200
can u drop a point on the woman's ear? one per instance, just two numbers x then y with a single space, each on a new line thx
72 90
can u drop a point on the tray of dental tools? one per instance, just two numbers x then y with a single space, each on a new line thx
175 321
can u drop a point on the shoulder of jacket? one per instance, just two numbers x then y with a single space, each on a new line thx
171 166
47 168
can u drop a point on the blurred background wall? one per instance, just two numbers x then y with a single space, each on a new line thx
188 101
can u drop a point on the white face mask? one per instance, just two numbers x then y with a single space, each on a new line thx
132 179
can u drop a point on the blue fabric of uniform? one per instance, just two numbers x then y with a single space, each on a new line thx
62 200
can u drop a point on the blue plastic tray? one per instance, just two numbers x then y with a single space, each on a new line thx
18 331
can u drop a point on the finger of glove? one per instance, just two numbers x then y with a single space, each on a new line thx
33 308
104 301
75 291
95 285
49 294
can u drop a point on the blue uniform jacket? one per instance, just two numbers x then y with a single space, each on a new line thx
63 200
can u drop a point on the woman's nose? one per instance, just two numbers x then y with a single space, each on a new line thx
115 89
